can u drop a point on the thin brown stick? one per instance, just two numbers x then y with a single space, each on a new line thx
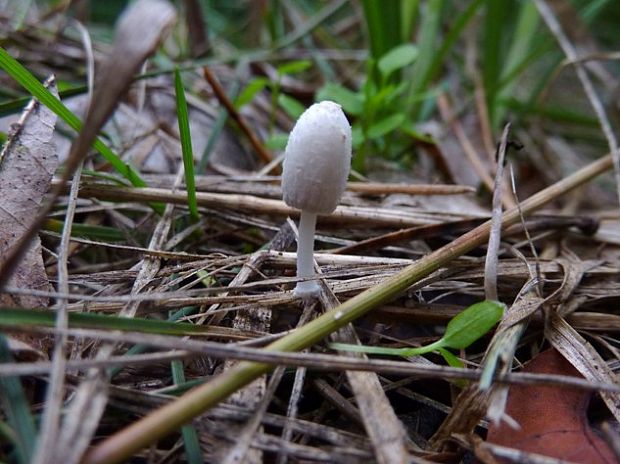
373 188
319 362
345 215
220 94
468 148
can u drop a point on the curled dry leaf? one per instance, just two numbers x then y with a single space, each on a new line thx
553 420
139 31
27 164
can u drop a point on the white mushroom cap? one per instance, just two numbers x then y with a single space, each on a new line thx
317 159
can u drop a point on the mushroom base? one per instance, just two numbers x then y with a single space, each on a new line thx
307 290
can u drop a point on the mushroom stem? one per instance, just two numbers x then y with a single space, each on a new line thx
305 255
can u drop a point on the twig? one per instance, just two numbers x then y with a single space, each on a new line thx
347 215
468 148
320 362
51 416
219 92
410 189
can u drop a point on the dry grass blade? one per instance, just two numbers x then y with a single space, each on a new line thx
376 217
173 415
258 394
50 422
386 432
582 355
495 237
411 189
91 395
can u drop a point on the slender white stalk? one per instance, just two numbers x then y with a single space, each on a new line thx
305 256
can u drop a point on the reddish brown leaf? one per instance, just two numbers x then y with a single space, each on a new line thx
553 419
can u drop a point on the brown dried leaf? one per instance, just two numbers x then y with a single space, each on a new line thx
583 357
139 32
553 420
27 164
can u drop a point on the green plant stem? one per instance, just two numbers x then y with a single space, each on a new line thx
162 421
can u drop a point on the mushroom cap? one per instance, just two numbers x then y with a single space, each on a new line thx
317 159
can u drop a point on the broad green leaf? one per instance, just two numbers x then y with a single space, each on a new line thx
294 67
186 145
471 324
292 107
412 132
397 58
386 125
250 91
462 330
351 102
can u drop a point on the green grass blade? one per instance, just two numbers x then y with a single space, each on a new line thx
494 32
439 57
190 437
12 317
186 145
408 17
382 20
17 104
429 34
17 410
105 233
520 50
430 64
14 69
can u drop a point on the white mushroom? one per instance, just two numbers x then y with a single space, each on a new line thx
316 166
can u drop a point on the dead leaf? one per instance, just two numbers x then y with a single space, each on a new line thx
27 164
583 356
553 419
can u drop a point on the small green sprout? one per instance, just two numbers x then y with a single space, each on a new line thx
462 330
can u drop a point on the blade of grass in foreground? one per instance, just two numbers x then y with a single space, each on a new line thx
45 318
14 69
186 145
17 410
382 19
190 437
